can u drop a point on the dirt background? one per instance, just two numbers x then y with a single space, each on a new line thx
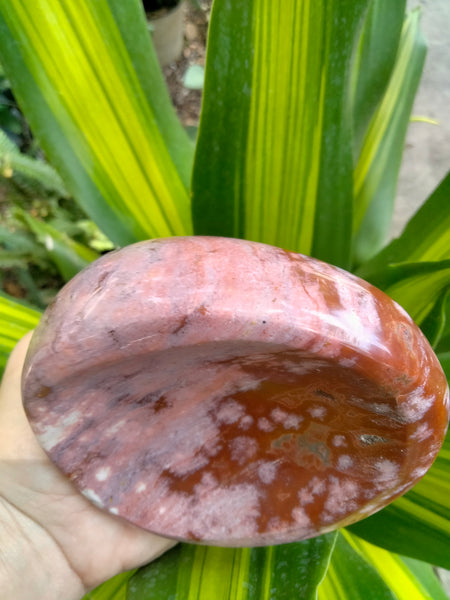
188 102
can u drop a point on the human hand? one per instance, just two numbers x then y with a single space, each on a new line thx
54 543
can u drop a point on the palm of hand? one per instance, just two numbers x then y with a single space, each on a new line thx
66 538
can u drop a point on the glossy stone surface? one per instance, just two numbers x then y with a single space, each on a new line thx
233 393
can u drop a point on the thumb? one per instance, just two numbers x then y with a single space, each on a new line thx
16 436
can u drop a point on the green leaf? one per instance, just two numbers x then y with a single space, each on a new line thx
12 161
16 241
433 326
419 293
205 573
392 274
113 589
417 286
406 580
443 344
425 237
278 167
69 256
378 166
426 575
444 359
374 62
87 77
351 577
12 259
418 523
414 269
16 319
361 571
97 240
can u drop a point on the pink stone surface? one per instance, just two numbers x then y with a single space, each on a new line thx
233 393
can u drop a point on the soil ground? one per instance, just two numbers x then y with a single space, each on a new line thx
188 102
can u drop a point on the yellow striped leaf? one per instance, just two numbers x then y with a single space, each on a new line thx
415 268
113 589
361 571
419 293
16 319
87 78
68 256
425 237
374 61
351 577
442 343
276 166
190 572
378 164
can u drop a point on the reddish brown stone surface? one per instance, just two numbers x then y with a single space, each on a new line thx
233 393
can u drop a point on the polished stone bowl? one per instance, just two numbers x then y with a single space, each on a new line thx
232 393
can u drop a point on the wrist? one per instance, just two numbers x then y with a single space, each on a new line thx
31 563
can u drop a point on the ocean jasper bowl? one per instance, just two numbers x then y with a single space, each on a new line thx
232 393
